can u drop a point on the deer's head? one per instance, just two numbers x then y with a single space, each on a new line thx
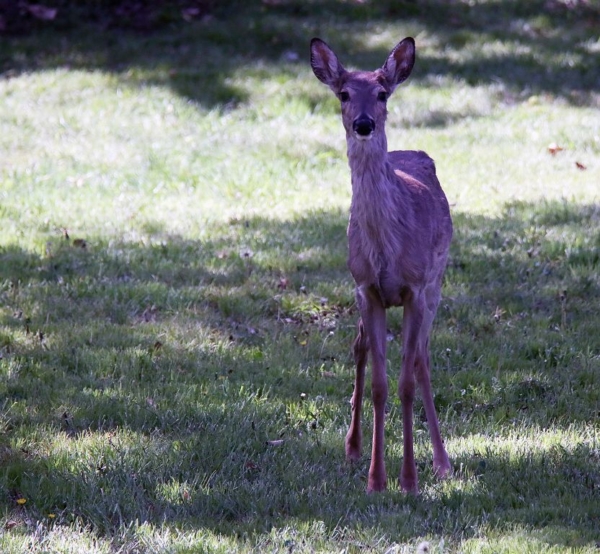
363 94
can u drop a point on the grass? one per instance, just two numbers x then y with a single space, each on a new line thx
175 311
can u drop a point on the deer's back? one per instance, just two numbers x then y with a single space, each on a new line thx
416 174
418 165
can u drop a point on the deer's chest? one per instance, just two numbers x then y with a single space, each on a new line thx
373 264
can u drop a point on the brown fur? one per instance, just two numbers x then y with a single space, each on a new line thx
399 234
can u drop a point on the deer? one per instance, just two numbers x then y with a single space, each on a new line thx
399 234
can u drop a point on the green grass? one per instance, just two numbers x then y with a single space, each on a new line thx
176 314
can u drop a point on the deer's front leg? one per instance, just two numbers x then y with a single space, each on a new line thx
411 330
354 436
373 317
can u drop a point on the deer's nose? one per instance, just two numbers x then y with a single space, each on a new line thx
363 125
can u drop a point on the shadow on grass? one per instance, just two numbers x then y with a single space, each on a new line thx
541 47
144 381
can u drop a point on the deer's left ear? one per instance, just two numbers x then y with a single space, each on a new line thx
400 62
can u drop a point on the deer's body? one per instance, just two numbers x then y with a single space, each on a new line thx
399 234
389 247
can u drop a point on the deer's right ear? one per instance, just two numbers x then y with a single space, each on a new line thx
325 64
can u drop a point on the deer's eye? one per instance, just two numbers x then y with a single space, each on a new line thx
344 96
382 96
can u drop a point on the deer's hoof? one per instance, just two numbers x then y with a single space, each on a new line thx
409 483
376 485
409 487
353 455
442 470
353 449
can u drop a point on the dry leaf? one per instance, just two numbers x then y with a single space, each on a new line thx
11 524
42 12
149 314
80 243
283 283
277 442
189 14
580 166
554 148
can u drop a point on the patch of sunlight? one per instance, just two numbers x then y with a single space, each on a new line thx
171 539
519 442
54 539
550 540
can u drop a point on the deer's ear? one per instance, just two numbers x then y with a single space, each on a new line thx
400 62
325 64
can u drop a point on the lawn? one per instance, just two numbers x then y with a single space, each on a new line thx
176 315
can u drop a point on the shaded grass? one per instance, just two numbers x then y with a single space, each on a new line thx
164 412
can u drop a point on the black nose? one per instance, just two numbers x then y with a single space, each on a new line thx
363 126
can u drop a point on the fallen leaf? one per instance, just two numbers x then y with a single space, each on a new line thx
11 524
80 243
189 14
283 283
149 314
498 313
277 442
554 148
580 166
41 12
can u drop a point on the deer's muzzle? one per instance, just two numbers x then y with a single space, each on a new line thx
363 126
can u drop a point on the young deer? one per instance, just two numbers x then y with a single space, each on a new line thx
399 234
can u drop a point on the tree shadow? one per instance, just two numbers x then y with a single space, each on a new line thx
175 349
542 47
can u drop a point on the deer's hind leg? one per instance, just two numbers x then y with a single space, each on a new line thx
441 462
411 328
418 318
354 435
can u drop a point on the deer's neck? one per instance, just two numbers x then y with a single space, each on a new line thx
374 193
376 201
